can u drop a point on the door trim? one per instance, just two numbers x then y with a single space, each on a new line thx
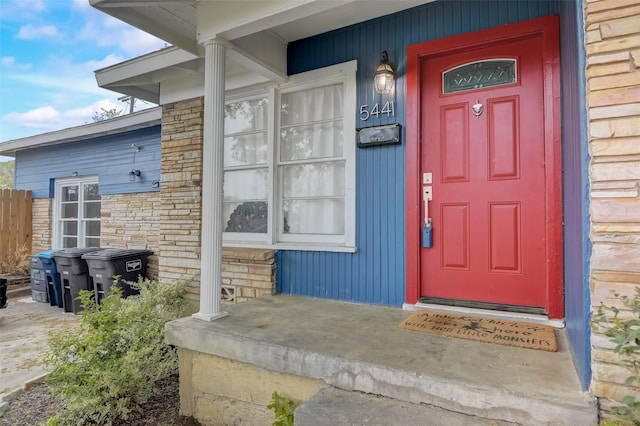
548 29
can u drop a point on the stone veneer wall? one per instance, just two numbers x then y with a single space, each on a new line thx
41 212
128 221
246 272
180 196
613 99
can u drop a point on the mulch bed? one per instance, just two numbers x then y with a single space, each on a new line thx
36 405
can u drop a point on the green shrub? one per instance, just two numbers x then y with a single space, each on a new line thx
109 365
283 408
622 327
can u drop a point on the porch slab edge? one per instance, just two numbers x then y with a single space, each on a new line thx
355 375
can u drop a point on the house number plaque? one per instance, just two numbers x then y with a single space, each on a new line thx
387 109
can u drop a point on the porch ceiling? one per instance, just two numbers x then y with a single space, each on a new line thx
176 21
258 32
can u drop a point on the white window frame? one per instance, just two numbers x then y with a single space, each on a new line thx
56 236
344 73
257 239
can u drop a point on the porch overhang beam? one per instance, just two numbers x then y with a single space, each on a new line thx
267 57
226 19
145 66
156 18
151 95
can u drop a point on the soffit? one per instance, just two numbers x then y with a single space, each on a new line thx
176 21
258 32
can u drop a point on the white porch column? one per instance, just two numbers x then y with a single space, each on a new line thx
212 178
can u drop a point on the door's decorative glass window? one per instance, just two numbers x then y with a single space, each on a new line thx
246 170
477 75
78 213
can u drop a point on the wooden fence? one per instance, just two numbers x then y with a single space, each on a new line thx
15 223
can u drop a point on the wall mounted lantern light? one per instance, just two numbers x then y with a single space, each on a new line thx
384 76
133 174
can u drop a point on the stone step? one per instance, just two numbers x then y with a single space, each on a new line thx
332 406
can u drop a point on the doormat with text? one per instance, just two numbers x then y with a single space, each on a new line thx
491 330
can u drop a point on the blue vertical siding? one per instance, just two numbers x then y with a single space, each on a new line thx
109 157
376 272
577 247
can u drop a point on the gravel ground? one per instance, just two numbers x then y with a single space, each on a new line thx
34 406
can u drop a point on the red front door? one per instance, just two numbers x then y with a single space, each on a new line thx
482 139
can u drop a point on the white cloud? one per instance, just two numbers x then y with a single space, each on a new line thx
81 5
107 61
30 32
58 74
9 62
57 89
20 9
137 42
48 118
73 82
40 117
109 32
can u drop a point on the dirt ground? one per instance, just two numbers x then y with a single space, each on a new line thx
34 406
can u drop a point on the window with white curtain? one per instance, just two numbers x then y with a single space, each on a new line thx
77 213
246 173
289 164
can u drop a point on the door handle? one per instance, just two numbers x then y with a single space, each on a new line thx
427 236
427 195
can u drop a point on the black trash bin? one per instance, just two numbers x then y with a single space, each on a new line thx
3 293
74 274
129 264
39 281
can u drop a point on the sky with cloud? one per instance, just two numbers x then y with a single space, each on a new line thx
49 50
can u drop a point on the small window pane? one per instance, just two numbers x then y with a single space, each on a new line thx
245 185
249 216
92 210
69 242
320 140
314 180
92 228
479 74
314 217
246 116
318 104
247 149
92 242
91 192
70 228
69 211
69 193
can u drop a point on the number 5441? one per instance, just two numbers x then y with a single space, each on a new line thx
375 111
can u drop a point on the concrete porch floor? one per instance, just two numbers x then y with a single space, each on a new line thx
360 348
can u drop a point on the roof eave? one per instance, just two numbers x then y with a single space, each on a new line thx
138 120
